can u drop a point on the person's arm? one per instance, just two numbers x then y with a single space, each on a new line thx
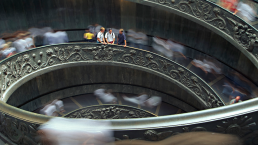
125 43
117 40
99 40
104 41
114 38
235 12
85 36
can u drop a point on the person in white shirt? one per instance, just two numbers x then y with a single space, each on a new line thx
50 110
29 40
140 100
105 96
153 101
20 44
7 50
68 131
59 105
143 100
246 11
110 37
100 36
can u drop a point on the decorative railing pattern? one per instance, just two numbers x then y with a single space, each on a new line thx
109 112
204 11
21 126
18 66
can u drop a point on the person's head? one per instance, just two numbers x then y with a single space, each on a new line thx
102 29
110 30
237 98
87 30
121 31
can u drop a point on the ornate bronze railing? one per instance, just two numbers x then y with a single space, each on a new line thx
20 126
232 28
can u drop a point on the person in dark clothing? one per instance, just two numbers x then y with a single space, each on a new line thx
121 39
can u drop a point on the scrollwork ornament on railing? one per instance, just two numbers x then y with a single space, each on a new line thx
18 131
238 125
17 67
244 35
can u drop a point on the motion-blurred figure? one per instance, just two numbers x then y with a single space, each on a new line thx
141 40
49 110
140 100
7 50
246 11
88 36
207 66
178 50
62 131
51 38
131 37
236 100
105 96
20 44
229 4
161 47
59 105
29 40
143 100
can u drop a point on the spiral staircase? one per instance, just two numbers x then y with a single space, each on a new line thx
190 102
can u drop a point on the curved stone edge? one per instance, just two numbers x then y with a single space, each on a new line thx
23 64
121 88
242 125
235 30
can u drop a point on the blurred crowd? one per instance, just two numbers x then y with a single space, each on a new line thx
24 40
245 8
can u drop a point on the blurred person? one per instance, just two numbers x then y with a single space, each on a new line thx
141 40
7 50
105 96
246 11
20 44
110 37
239 91
204 67
178 50
153 101
144 100
49 110
63 131
131 37
100 36
160 46
59 105
236 100
97 28
189 138
121 39
88 36
229 4
29 40
227 88
140 100
62 37
55 38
